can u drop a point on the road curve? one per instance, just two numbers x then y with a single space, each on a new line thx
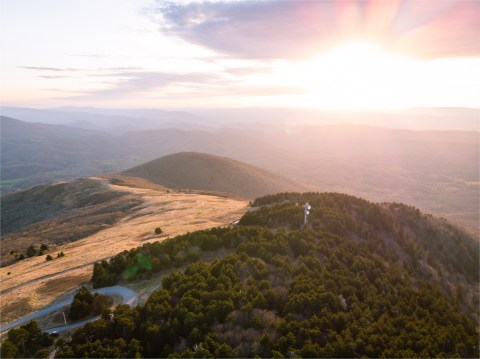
128 297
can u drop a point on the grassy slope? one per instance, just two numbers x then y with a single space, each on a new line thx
42 202
191 170
34 282
59 213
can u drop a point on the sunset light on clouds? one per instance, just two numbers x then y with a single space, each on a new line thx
343 55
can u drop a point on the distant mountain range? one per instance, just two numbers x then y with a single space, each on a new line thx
437 171
201 171
34 153
113 121
124 120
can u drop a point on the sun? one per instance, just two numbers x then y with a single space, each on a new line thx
365 76
353 76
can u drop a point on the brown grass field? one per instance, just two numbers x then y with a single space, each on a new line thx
33 283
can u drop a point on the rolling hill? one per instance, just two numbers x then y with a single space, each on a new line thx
437 171
201 171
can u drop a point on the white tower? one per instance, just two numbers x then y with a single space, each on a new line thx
307 208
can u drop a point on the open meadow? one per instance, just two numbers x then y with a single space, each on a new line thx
33 283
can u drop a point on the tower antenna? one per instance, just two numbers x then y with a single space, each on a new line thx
307 208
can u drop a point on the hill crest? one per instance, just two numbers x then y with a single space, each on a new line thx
202 171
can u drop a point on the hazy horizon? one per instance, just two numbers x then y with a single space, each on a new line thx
128 119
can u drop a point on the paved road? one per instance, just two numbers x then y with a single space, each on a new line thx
64 328
128 297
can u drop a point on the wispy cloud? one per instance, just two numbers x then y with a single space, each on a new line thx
248 70
55 69
62 69
261 91
52 77
118 82
293 29
135 82
93 56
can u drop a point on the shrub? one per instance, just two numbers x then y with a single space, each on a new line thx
81 305
101 304
42 353
158 230
48 258
8 350
43 249
31 251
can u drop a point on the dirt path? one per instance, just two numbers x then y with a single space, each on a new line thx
34 283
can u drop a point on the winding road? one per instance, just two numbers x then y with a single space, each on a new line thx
128 297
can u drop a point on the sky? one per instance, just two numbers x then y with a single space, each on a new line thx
345 55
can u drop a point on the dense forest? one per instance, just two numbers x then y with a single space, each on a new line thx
27 341
362 279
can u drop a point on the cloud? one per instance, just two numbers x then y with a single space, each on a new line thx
249 29
94 56
295 29
118 82
61 69
55 69
259 91
52 77
124 84
248 70
135 82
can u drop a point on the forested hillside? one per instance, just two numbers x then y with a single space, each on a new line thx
361 280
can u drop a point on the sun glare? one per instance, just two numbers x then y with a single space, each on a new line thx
353 76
